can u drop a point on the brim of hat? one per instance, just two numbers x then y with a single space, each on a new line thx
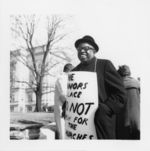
78 42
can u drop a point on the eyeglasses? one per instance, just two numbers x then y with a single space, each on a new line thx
85 48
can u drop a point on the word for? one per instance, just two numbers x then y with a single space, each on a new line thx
80 120
79 108
78 135
72 126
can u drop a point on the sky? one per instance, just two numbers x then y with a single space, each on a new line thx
119 27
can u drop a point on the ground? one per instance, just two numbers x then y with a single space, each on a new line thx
39 117
32 121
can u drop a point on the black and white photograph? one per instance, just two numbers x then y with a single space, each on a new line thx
74 75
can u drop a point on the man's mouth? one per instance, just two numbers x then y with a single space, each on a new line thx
83 55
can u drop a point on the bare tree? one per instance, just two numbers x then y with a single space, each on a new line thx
24 28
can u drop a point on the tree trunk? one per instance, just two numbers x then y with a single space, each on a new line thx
38 101
38 93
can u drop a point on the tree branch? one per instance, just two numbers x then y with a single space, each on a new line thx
47 92
23 61
46 70
63 58
29 84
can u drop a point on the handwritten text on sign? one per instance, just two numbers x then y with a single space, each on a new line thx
82 102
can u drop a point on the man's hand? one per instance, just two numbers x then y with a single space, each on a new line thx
64 110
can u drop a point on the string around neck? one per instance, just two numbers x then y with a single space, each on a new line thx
95 65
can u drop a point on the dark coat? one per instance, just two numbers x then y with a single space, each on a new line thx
111 94
132 114
128 121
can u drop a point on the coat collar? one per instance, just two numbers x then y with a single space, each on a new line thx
89 62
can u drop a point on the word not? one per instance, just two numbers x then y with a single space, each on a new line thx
79 108
78 135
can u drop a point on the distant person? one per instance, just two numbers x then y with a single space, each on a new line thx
131 113
59 100
111 92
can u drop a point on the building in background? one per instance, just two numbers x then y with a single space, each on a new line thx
17 90
22 96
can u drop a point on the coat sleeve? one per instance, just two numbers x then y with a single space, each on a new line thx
115 88
57 111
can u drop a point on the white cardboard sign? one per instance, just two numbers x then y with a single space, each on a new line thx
82 102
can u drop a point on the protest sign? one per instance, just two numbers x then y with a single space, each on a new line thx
82 102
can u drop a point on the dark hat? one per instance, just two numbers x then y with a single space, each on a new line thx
87 39
68 67
124 70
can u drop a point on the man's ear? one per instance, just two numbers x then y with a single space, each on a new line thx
95 51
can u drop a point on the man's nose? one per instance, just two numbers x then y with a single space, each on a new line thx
82 50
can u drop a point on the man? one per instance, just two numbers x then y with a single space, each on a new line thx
111 92
131 114
59 99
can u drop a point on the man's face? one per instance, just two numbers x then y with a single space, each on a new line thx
85 52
